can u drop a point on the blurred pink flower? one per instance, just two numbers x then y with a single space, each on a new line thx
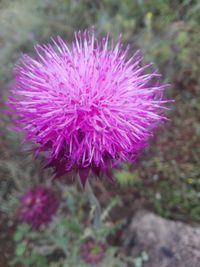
37 207
92 252
88 105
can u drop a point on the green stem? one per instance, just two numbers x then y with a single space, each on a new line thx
94 203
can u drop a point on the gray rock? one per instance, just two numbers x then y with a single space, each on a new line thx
167 243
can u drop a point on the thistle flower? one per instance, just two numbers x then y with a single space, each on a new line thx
88 105
37 207
92 252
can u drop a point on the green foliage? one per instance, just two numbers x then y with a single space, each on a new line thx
58 244
138 262
20 177
167 179
126 178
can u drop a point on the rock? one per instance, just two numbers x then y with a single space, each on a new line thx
167 243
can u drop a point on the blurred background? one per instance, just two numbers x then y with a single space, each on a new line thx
166 178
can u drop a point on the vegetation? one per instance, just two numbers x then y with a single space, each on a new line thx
166 177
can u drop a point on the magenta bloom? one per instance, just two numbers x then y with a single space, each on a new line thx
38 205
87 105
92 252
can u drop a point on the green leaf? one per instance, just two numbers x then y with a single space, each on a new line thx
38 260
23 228
126 178
145 256
62 243
138 262
20 249
18 236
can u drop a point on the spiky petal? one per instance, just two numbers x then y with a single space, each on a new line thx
88 105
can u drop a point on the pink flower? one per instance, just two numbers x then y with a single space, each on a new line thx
38 205
87 105
92 252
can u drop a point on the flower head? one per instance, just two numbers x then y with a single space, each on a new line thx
37 207
92 252
88 105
